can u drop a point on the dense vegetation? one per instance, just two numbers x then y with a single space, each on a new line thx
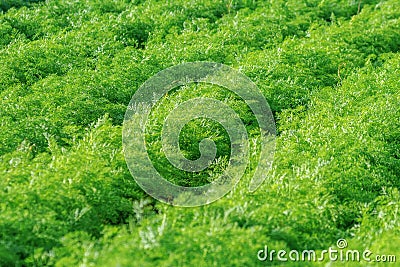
329 69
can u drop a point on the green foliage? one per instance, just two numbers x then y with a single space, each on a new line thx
195 131
7 4
346 128
329 70
60 191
